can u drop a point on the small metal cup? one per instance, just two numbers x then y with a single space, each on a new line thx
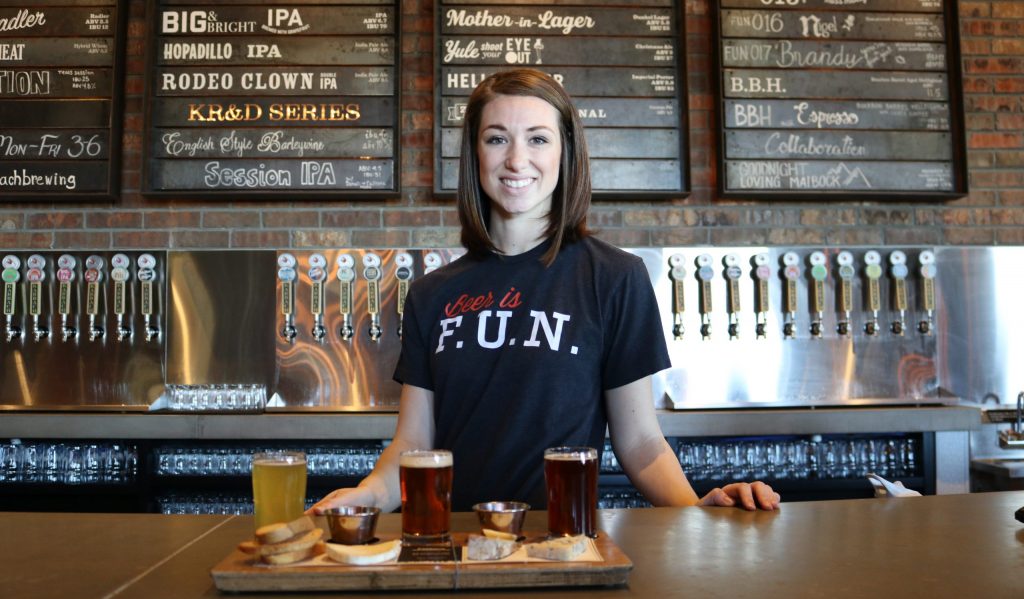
503 516
352 525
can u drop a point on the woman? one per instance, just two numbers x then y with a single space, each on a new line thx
541 335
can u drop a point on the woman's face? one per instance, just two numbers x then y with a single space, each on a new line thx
519 149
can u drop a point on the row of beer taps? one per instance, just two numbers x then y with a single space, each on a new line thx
790 269
65 269
346 273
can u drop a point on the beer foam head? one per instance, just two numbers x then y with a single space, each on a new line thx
286 458
570 454
425 459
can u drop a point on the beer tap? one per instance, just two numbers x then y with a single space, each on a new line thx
791 272
431 262
733 272
819 272
346 276
846 273
93 278
678 274
11 276
762 272
873 271
705 274
317 276
403 272
35 276
65 275
286 274
899 271
372 274
928 271
120 275
147 275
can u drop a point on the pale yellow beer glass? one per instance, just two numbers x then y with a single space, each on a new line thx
278 486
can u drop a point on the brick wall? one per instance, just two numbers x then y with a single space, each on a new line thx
993 62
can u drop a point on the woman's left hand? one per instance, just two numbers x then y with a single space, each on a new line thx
749 496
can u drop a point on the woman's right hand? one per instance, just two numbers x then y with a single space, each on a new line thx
361 496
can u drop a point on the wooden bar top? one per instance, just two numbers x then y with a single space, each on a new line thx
935 546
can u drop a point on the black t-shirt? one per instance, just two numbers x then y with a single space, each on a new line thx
518 357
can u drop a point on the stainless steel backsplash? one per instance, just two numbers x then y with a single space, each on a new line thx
220 317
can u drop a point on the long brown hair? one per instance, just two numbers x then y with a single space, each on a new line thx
567 221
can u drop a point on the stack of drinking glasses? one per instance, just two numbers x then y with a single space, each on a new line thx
612 498
323 460
67 463
216 398
797 458
209 503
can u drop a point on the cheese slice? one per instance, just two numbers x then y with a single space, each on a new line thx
497 534
364 555
562 549
486 548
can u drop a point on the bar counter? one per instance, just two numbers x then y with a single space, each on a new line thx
933 546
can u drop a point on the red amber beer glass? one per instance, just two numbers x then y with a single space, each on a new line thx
571 477
426 479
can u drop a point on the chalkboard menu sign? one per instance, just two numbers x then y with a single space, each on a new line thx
840 99
61 74
250 99
623 64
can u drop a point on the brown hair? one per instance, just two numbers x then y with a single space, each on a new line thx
570 202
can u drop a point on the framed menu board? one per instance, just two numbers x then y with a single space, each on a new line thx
623 64
265 100
840 99
61 75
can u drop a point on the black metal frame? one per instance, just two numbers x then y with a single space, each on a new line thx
115 124
956 115
682 97
265 194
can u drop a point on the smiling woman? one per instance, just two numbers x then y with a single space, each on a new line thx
519 150
541 335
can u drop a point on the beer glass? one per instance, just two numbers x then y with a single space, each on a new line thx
570 474
426 480
278 486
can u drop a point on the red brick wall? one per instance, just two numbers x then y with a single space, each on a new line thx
993 62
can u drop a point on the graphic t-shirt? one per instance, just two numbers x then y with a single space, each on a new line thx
518 357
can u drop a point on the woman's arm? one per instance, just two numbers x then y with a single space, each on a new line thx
415 430
653 467
640 447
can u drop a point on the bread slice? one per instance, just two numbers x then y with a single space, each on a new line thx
489 548
562 549
288 557
364 555
298 542
273 533
281 531
301 524
250 547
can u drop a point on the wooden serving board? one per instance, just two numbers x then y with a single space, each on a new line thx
239 572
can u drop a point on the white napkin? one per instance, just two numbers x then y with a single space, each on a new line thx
884 488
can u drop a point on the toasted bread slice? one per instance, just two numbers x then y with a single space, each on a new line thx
250 547
274 533
300 541
301 524
288 557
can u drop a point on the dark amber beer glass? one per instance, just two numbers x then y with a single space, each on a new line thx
426 479
571 477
